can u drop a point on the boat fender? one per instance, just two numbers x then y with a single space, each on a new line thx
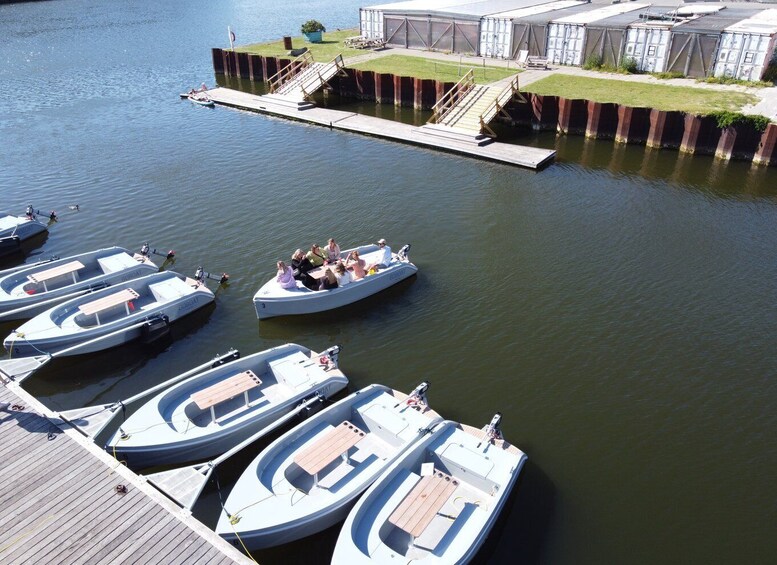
154 328
121 489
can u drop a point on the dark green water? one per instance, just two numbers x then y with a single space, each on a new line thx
618 307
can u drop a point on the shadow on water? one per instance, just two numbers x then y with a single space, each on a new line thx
62 383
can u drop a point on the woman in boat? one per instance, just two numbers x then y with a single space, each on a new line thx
285 277
332 251
343 275
315 256
356 264
328 281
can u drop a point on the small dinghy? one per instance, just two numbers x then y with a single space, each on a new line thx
437 502
272 300
309 478
15 229
109 317
209 413
30 289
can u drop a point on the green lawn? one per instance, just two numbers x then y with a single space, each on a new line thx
420 67
331 47
637 94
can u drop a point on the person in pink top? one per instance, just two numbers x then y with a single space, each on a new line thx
285 276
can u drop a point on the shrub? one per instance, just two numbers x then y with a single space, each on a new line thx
312 26
732 80
725 119
593 62
629 65
668 74
770 74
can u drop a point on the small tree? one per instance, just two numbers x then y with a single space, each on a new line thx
312 26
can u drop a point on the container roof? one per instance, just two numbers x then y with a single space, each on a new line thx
764 22
465 8
638 18
717 22
600 13
539 9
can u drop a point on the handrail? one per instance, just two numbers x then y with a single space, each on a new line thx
498 104
337 64
289 71
452 97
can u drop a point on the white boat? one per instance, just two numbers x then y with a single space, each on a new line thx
272 300
209 413
30 289
437 502
15 229
109 317
310 477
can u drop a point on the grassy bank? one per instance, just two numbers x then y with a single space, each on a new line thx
331 47
659 96
420 67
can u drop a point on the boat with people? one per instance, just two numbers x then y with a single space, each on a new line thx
309 478
28 290
272 299
199 96
110 317
15 229
211 412
437 502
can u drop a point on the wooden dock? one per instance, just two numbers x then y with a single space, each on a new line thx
528 157
64 500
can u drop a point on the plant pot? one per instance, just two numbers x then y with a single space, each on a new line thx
314 36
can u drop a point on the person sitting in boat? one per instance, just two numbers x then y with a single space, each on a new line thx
328 281
285 276
332 251
300 265
384 257
315 256
356 264
343 275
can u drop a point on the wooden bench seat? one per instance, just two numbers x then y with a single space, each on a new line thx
536 62
225 390
58 271
420 506
97 306
328 448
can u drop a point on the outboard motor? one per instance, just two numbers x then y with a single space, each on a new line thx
402 253
145 250
329 357
199 275
492 432
418 396
154 328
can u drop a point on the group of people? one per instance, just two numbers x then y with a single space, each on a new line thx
339 271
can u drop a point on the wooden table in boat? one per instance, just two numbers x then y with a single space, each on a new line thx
97 306
320 272
335 443
58 271
420 506
226 390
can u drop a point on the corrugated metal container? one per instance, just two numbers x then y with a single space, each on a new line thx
648 45
371 17
566 36
530 32
694 43
496 30
605 39
747 47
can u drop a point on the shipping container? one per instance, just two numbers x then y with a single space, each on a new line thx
747 47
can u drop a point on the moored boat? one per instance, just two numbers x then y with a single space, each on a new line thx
109 317
309 478
273 300
30 289
209 413
15 229
437 502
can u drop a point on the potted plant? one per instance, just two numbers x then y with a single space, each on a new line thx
312 30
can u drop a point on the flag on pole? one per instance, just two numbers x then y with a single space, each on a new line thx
231 37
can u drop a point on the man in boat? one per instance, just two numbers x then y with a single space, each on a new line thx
384 257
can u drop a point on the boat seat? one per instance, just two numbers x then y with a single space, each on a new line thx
115 263
335 443
469 464
225 390
385 423
69 268
102 305
169 289
421 505
296 370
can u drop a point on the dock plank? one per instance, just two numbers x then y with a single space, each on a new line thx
60 504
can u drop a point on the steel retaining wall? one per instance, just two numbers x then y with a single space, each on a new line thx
624 124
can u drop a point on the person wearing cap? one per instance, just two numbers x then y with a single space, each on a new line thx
383 256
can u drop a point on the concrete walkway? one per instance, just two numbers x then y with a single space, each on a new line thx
766 106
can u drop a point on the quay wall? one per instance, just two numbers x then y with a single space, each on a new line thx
688 133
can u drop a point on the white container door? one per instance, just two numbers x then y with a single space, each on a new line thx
742 55
496 36
565 43
648 47
371 24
